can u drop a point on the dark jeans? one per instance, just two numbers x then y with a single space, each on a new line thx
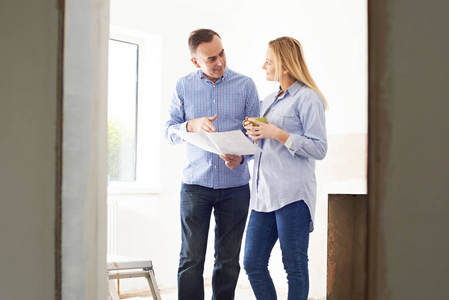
290 225
230 208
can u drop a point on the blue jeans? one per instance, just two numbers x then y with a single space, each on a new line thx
230 208
290 225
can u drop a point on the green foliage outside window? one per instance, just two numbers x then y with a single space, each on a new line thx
121 150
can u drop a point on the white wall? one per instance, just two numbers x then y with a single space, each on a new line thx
334 38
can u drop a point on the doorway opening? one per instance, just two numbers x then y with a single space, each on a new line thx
336 52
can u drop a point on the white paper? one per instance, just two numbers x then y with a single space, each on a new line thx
229 142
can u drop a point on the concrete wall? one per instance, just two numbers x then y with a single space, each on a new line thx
409 150
35 265
28 148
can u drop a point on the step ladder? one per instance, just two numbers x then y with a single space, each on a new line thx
128 268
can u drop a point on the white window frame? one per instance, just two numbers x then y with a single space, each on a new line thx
148 166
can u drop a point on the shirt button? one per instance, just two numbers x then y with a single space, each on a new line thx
214 85
213 101
215 167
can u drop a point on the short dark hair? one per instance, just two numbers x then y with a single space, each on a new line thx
198 36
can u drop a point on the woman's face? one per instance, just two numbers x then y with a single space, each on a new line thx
268 66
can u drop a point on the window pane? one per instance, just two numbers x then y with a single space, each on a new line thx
122 110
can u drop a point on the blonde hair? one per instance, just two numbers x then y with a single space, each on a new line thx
288 54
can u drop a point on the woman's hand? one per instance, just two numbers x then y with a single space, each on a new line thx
265 131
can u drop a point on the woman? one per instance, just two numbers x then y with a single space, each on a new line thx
283 194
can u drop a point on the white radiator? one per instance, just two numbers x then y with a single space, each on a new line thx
112 226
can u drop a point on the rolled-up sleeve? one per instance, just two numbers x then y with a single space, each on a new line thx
176 118
313 142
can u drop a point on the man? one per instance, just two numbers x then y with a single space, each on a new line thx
211 99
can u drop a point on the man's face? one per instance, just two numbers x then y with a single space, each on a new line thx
210 58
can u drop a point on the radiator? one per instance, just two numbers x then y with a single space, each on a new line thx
112 226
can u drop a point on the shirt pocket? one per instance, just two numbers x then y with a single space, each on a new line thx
287 120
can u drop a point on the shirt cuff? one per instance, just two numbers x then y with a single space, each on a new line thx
183 127
289 144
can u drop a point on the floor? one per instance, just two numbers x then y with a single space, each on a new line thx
241 293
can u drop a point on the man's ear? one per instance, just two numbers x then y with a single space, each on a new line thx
195 62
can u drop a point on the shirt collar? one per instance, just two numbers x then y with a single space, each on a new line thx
294 88
221 79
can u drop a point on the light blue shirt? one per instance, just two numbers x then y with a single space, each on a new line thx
232 98
282 175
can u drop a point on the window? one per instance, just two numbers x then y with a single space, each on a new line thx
122 110
134 97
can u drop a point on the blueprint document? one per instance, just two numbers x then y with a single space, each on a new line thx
229 142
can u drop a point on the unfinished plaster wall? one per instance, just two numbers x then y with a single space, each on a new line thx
28 113
84 150
409 150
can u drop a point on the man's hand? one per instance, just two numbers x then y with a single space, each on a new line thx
232 161
201 124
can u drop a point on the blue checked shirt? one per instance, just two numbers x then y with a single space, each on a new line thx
233 97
